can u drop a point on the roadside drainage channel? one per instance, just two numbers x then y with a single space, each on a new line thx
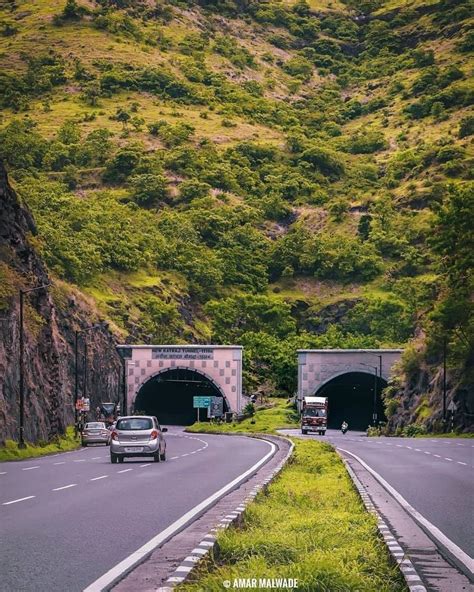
209 542
412 578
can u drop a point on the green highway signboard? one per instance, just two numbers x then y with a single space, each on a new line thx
201 402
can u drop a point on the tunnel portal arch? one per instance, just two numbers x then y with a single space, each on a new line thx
328 371
218 369
168 394
354 397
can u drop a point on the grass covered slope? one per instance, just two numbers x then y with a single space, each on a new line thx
270 174
309 525
62 444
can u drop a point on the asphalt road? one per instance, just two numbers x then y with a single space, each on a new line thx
67 519
434 475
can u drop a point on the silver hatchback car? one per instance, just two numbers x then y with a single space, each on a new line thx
137 435
95 432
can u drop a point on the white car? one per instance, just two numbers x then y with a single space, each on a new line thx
137 435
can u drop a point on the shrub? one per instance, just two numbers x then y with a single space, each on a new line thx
122 165
148 189
412 430
193 189
299 67
466 126
324 160
367 142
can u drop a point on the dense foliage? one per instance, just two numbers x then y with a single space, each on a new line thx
278 174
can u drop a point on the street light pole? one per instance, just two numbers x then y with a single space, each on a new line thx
445 346
374 412
21 438
76 374
375 396
21 435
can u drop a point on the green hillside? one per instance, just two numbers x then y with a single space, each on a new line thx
276 174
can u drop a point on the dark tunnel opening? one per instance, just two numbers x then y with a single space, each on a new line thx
351 399
169 396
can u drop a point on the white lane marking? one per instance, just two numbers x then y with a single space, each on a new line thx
427 452
97 478
21 499
3 473
446 458
95 458
409 447
417 450
173 457
437 455
125 471
65 487
461 463
80 460
441 538
137 557
63 462
30 468
187 454
142 466
399 445
457 444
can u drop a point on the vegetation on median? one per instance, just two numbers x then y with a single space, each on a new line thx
278 414
10 450
310 525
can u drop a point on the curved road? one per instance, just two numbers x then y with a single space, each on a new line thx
67 519
435 475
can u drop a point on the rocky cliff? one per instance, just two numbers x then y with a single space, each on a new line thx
51 317
415 397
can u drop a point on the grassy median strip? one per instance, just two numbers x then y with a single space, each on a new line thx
10 450
278 415
309 525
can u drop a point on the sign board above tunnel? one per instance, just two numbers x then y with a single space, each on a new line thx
182 353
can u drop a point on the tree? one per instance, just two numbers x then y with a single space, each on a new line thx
149 189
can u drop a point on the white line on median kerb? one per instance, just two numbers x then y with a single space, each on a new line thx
137 557
442 539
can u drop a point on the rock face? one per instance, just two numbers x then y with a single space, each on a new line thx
419 400
51 317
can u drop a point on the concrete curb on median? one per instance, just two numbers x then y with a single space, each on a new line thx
412 578
209 542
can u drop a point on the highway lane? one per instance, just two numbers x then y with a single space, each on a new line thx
64 525
434 475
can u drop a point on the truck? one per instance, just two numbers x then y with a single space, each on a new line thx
314 415
107 412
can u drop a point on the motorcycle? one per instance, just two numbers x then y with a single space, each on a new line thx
344 428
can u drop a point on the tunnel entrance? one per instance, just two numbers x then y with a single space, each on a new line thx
351 399
169 396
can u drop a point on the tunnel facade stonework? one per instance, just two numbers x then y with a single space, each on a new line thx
316 367
221 364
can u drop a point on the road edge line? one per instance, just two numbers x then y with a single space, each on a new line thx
116 573
454 553
411 576
209 541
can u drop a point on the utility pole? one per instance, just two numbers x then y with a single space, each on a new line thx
124 387
76 374
375 396
445 347
21 435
